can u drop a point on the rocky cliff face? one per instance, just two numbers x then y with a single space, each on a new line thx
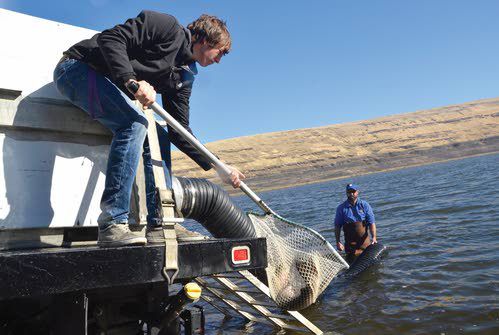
282 159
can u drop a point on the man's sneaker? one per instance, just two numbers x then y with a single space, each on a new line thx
117 235
155 234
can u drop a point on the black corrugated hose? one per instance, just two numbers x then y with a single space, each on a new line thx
211 206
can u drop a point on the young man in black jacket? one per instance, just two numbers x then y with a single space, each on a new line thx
159 54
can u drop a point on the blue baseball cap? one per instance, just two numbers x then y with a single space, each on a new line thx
352 187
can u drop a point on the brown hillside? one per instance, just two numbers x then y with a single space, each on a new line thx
282 159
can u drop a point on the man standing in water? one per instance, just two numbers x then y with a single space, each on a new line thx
356 217
154 51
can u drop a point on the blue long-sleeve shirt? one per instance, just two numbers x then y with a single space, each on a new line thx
348 213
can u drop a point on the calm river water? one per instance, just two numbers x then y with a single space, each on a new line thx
441 273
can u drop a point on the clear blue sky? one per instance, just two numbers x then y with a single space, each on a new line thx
300 64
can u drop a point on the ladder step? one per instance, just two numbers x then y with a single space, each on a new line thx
259 303
254 301
282 325
264 304
229 276
219 289
221 309
240 289
280 316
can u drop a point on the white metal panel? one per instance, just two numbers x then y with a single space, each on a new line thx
50 184
31 47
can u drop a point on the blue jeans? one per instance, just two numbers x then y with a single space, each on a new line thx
106 103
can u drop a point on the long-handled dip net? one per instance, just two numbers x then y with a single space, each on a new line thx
301 263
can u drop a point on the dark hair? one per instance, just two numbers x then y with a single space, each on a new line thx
213 30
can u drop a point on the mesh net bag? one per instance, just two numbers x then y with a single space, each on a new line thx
301 263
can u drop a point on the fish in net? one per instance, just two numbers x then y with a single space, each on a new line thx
301 263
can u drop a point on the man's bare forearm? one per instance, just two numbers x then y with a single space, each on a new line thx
337 232
372 230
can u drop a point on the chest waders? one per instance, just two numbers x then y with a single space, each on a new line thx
356 238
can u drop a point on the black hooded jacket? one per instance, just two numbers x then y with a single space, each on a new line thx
153 47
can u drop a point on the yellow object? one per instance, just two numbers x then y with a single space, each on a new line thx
192 291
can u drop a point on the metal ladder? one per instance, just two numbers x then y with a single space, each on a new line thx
245 295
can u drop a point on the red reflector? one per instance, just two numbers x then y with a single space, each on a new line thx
241 255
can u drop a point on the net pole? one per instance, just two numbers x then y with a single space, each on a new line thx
211 157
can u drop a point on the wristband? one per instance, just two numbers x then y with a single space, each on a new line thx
132 86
